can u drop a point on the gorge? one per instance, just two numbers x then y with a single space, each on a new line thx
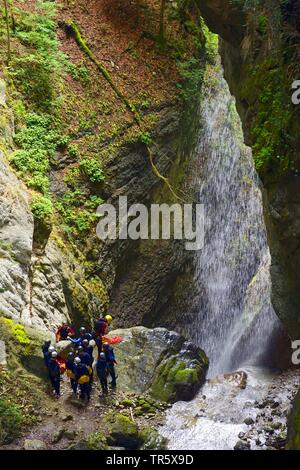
93 107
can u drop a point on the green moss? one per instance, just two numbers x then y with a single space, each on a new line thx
174 380
96 441
18 331
123 432
152 439
186 376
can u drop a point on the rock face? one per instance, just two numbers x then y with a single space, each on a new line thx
147 273
16 228
159 361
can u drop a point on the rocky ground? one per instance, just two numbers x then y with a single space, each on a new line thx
241 411
267 421
68 422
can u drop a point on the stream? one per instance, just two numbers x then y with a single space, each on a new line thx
232 317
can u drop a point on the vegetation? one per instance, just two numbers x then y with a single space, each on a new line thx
11 419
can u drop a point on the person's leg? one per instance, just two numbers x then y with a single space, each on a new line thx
88 390
57 385
105 384
74 385
52 381
113 375
81 387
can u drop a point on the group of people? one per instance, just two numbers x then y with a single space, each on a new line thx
79 362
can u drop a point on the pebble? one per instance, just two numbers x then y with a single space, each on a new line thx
67 418
242 445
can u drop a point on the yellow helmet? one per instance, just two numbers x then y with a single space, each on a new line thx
108 318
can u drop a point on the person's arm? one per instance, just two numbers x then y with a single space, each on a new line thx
71 332
74 340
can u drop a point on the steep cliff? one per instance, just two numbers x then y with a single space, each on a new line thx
97 106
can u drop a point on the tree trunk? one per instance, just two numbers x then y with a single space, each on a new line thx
161 34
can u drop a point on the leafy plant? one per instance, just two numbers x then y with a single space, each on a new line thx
92 169
41 207
36 68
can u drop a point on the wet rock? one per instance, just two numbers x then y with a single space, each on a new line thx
276 425
249 421
238 379
152 440
34 444
161 362
242 445
123 432
269 430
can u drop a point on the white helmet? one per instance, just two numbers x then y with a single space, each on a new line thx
77 360
51 349
54 355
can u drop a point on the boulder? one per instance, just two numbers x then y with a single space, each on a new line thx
159 361
123 432
242 445
152 440
34 444
63 348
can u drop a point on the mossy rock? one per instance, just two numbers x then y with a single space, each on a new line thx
123 432
152 440
179 379
96 441
127 402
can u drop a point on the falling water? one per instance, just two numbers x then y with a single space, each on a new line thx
231 316
232 319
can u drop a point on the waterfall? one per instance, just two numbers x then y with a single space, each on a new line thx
232 318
